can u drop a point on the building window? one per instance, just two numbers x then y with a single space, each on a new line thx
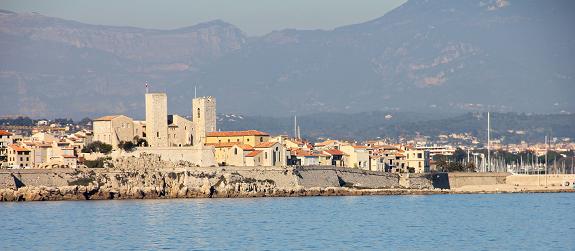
261 139
265 155
198 112
157 134
235 151
419 156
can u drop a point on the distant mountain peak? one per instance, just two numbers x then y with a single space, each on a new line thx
6 12
426 55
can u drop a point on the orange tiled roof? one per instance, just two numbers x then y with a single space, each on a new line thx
334 152
254 153
5 133
245 147
265 144
107 118
237 133
301 153
19 148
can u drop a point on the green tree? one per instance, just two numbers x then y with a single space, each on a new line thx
140 141
127 146
97 146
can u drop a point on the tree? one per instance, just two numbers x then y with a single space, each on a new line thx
98 163
127 146
140 141
97 146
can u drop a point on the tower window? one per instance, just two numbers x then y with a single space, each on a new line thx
198 112
157 134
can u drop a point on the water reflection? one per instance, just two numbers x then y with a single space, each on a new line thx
518 221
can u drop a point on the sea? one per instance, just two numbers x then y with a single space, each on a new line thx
427 222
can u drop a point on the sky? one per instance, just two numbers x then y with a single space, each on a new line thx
255 17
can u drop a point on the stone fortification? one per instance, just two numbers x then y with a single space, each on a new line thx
150 177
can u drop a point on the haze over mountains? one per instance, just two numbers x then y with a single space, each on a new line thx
425 56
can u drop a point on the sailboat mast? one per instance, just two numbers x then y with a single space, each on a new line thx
488 142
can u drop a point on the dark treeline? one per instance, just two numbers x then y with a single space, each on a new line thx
510 127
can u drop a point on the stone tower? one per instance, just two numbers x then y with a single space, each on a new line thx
204 118
157 119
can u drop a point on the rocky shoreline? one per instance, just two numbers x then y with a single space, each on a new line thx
149 177
44 193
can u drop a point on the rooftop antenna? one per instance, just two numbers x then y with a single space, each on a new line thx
195 91
147 89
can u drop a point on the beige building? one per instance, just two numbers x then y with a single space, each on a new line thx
273 153
180 131
5 141
42 153
358 156
113 129
249 137
416 160
19 156
237 154
203 119
140 129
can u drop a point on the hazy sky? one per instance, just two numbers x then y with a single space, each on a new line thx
255 17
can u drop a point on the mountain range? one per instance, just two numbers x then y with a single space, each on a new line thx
424 56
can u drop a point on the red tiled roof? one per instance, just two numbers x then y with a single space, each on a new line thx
19 148
254 153
237 133
5 133
334 152
265 144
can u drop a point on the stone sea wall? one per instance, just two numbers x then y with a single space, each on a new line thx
150 177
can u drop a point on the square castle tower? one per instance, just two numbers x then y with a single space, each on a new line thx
157 119
203 119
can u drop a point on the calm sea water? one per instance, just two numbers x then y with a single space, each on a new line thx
438 222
